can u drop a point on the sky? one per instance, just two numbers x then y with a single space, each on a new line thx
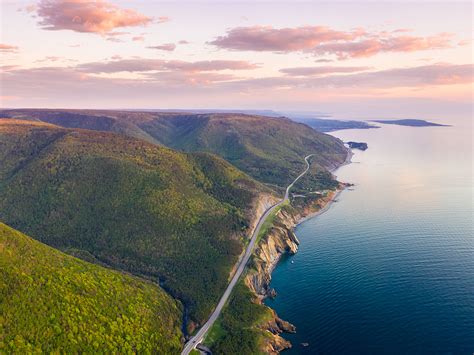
346 59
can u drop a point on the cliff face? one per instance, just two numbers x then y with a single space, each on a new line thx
279 240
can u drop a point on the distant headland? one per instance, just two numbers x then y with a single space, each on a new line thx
410 122
357 145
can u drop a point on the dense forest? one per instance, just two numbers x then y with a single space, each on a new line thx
173 217
51 302
270 150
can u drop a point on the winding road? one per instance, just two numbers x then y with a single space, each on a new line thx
199 336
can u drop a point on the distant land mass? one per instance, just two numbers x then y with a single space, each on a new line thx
330 125
358 145
317 120
411 123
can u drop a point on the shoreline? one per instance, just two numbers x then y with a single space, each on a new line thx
326 206
294 222
337 192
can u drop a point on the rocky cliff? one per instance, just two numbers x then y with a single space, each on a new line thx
279 240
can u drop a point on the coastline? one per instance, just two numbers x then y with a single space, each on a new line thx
337 192
324 208
248 319
280 240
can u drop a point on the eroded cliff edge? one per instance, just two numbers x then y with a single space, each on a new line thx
278 240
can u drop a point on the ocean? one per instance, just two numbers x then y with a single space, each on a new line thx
389 268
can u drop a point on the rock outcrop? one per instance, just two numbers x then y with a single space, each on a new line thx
279 240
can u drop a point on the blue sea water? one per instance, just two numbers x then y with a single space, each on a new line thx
389 268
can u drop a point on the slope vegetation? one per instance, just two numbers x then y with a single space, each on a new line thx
269 149
51 302
132 205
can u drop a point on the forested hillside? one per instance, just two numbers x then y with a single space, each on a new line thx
269 149
180 218
51 302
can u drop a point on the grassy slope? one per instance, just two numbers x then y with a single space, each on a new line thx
50 302
132 205
269 149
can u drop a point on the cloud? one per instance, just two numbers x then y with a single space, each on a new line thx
402 30
372 46
72 86
52 58
318 71
7 67
164 47
417 77
7 48
464 42
323 60
421 76
321 40
163 19
147 65
183 41
90 16
138 38
212 65
28 8
267 38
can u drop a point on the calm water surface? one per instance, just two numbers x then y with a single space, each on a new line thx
390 267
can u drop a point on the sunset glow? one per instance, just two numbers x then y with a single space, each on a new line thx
311 56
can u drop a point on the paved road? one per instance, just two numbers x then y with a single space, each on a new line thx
196 339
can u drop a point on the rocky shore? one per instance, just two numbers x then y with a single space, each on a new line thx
279 240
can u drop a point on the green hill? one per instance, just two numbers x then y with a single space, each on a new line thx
52 302
269 149
180 218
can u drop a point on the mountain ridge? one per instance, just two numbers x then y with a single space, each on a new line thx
268 149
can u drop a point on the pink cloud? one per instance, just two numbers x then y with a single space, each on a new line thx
148 65
138 38
323 60
464 42
7 67
212 65
163 19
7 48
28 8
373 46
417 77
402 30
90 16
321 40
164 47
427 75
318 71
71 86
267 38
